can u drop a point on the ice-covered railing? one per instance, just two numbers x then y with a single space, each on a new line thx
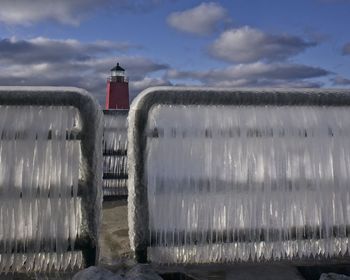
50 175
115 144
239 175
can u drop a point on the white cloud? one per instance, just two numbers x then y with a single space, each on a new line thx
24 12
346 49
340 81
200 20
254 74
44 61
247 44
42 49
140 85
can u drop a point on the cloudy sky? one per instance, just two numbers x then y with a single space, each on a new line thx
233 43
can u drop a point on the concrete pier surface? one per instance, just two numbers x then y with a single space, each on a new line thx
114 239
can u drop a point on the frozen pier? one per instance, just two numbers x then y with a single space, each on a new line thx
239 175
50 175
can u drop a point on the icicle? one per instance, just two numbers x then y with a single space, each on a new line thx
39 168
239 183
115 155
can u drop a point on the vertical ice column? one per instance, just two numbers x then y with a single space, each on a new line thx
40 211
115 153
233 183
50 175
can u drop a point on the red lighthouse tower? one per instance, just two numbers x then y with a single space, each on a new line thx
117 89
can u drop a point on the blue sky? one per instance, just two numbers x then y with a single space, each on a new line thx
237 43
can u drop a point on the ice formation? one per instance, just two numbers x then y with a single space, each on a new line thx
40 208
247 183
115 153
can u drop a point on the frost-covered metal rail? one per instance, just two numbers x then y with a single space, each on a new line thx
239 175
115 144
50 178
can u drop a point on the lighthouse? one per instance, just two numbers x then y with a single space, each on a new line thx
117 96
